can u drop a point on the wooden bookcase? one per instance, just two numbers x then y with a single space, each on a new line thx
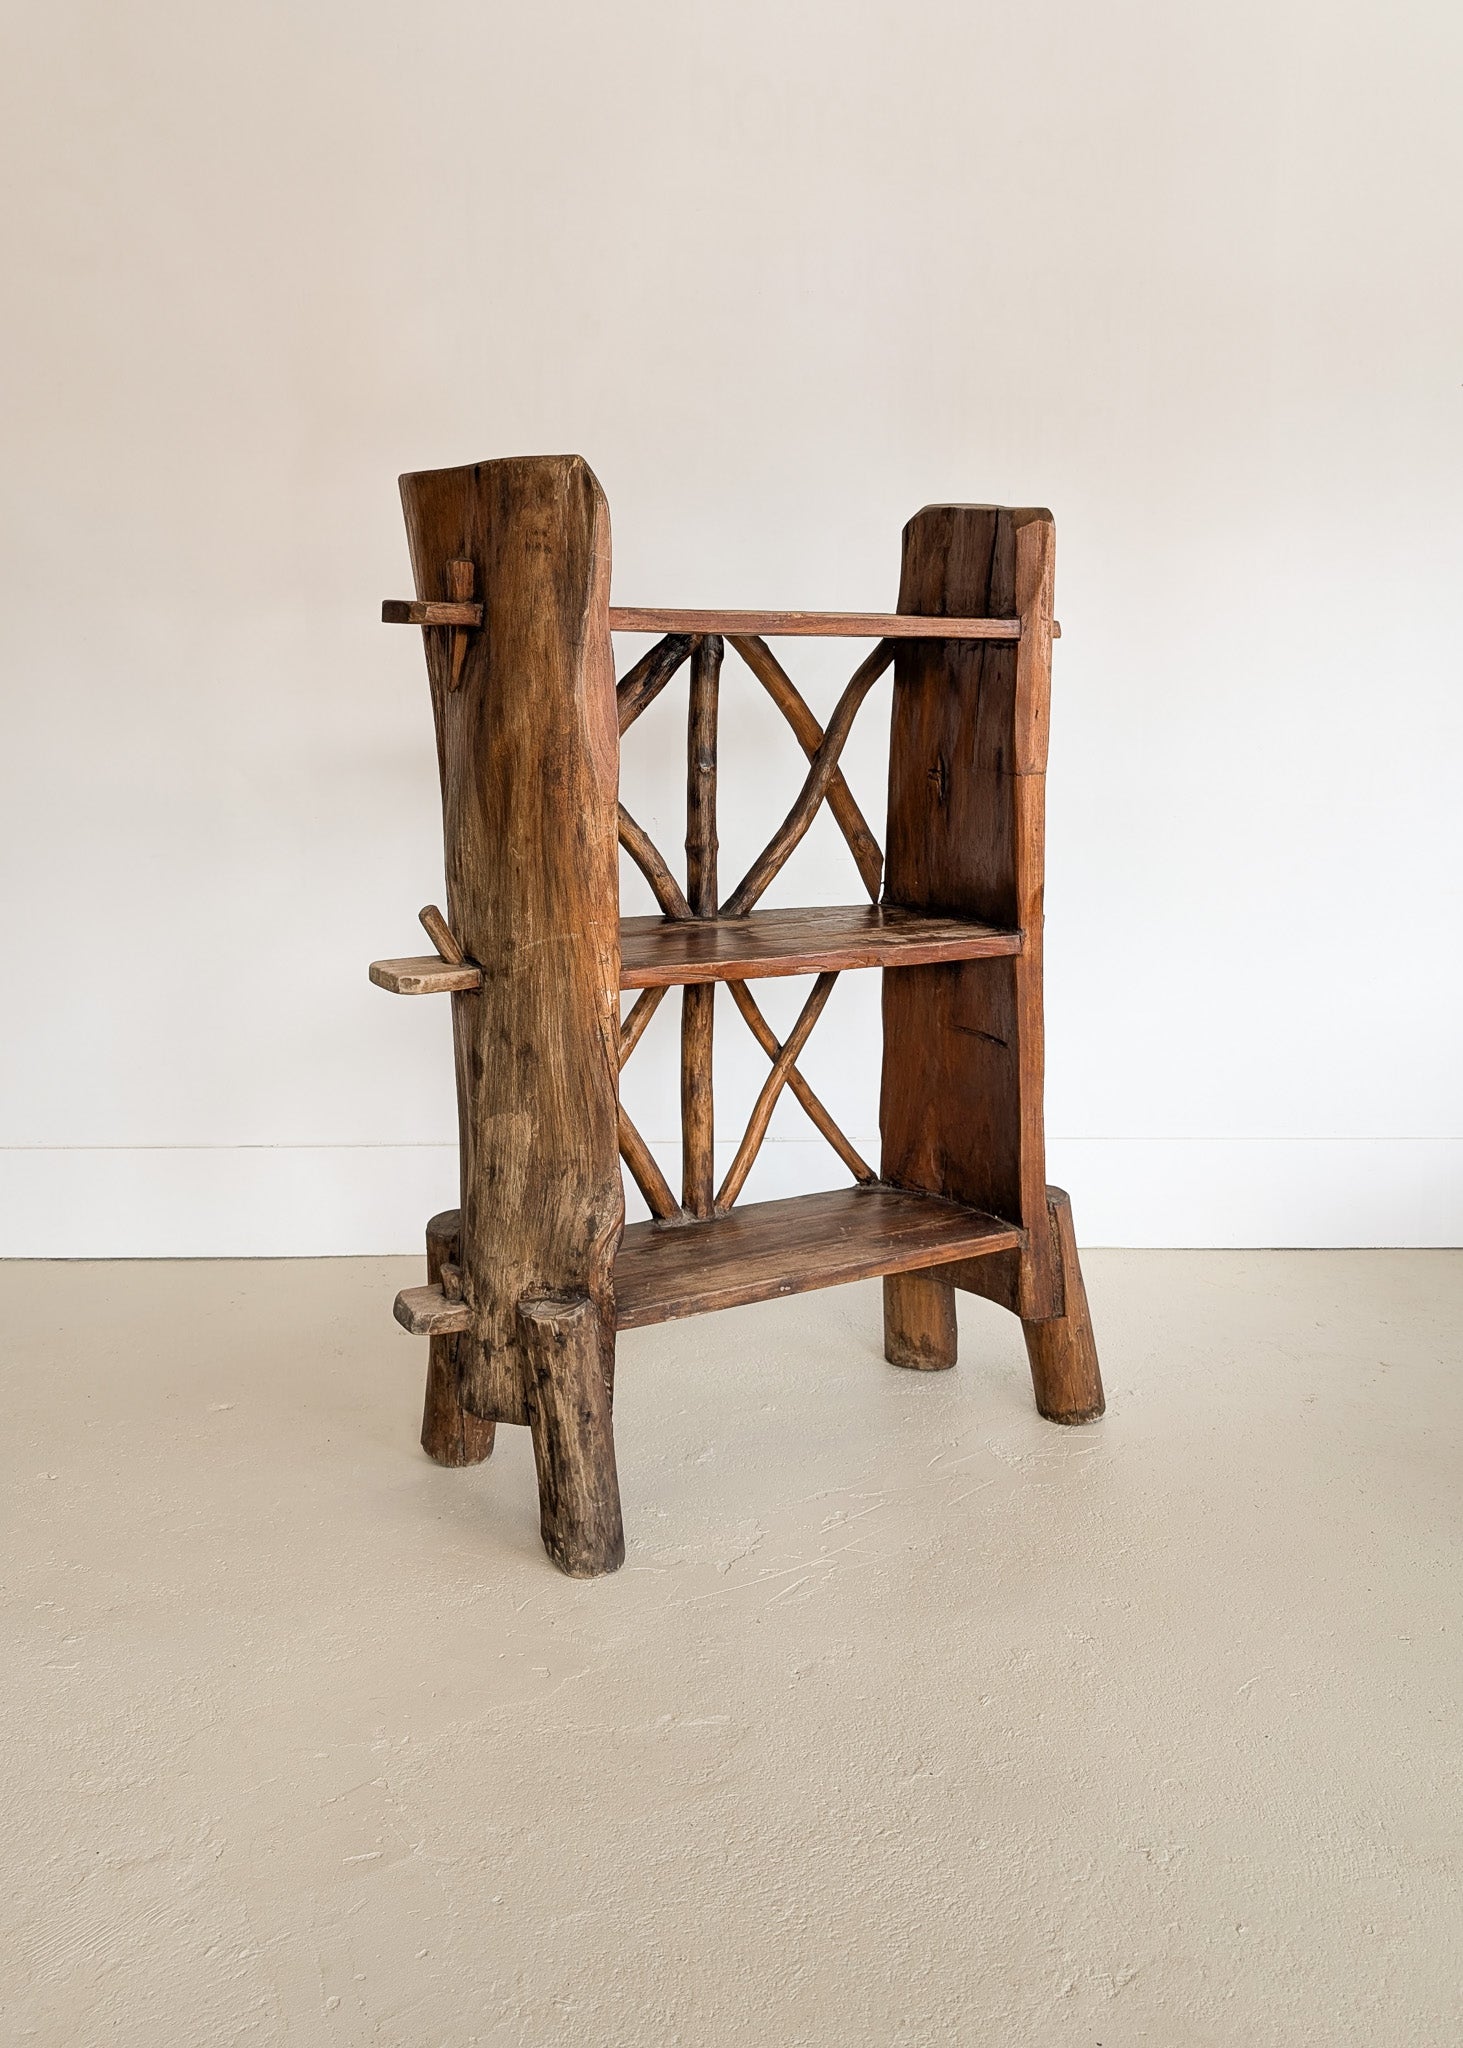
532 1275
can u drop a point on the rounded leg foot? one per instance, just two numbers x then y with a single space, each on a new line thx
450 1434
573 1437
1062 1351
919 1321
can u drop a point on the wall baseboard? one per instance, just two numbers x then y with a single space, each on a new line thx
311 1201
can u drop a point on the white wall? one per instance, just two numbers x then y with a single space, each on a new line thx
782 273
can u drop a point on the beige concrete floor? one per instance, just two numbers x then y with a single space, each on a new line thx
912 1719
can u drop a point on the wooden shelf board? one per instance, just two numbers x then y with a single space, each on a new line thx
665 1270
668 1270
657 951
625 618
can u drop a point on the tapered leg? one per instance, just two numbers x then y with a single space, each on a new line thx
573 1438
450 1435
1063 1355
919 1321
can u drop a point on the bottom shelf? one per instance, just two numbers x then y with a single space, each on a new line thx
668 1270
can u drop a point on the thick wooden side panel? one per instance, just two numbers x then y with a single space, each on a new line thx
961 1104
528 747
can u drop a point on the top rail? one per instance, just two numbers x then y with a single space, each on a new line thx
829 625
629 618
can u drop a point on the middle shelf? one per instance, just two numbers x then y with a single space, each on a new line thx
658 952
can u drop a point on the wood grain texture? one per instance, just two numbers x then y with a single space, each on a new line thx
528 745
429 611
821 770
698 1003
961 1101
789 700
435 925
425 974
427 1312
667 952
768 943
573 1442
461 581
451 1434
1061 1349
646 855
812 625
632 1027
785 1247
642 684
919 1322
648 1177
791 1247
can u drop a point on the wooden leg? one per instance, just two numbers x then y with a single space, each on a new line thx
573 1439
1063 1355
919 1321
450 1435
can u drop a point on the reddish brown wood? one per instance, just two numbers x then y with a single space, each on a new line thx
435 925
642 849
1062 1351
451 1433
522 1302
776 942
569 1380
919 1321
698 1169
782 1068
766 1249
651 1182
461 581
429 611
531 897
821 770
632 1028
427 1312
961 1106
767 1038
785 694
642 684
813 625
790 1247
425 974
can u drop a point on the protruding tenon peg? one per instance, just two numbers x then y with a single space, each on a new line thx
437 929
460 579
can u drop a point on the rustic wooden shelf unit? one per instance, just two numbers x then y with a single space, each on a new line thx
529 1279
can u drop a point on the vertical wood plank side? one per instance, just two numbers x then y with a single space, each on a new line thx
698 1001
1065 1374
961 1100
529 751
